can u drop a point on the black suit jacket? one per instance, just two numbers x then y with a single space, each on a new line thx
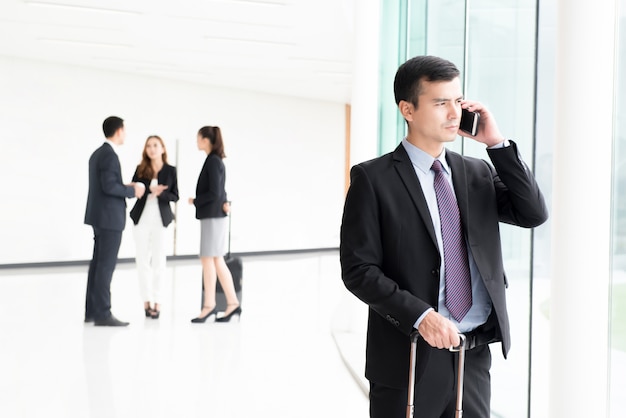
388 250
106 201
167 176
210 189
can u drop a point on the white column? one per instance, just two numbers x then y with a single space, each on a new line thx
351 314
364 115
349 321
581 209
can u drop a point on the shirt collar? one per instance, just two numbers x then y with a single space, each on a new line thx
112 144
422 160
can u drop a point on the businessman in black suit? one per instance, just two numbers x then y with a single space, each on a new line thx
392 246
106 213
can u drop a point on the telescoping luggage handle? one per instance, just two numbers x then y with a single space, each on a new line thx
459 377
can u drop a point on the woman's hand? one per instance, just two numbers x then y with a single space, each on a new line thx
158 189
191 200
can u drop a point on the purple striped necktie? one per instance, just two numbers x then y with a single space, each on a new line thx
458 291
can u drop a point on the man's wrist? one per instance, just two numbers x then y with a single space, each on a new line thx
421 318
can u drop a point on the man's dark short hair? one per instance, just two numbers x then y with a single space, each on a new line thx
111 125
407 84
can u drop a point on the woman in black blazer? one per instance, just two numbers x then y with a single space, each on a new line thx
212 209
151 216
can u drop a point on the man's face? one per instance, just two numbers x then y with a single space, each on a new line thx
437 117
120 136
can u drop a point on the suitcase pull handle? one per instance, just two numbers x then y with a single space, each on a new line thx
410 406
460 376
410 409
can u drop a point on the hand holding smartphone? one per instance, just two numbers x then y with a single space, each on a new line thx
469 122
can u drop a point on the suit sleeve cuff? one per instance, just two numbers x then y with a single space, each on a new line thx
502 144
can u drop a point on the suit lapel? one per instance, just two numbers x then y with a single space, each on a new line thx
405 170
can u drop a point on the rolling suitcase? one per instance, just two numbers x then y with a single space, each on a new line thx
410 409
235 265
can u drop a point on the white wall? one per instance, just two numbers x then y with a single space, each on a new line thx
284 159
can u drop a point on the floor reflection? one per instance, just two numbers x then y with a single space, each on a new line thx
280 360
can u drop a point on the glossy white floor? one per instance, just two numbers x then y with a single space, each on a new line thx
279 361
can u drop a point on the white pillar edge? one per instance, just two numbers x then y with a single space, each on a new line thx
364 106
581 211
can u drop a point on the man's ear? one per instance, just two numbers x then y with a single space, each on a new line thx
118 134
406 109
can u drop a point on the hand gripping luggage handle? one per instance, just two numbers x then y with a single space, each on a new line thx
410 409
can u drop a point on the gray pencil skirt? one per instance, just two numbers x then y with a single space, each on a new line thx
213 237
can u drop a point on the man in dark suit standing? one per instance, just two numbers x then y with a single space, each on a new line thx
106 213
395 244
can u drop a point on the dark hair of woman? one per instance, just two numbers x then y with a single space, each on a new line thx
144 169
214 135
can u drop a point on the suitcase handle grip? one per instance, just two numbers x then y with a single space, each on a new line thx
415 335
461 345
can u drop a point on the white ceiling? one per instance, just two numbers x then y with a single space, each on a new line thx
300 48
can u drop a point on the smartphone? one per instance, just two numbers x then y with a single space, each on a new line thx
469 122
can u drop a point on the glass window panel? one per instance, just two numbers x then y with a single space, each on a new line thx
392 54
546 53
438 28
617 357
501 74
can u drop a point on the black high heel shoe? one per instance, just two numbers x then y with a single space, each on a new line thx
148 311
202 319
156 312
226 318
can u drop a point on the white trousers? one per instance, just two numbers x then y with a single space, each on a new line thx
150 241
